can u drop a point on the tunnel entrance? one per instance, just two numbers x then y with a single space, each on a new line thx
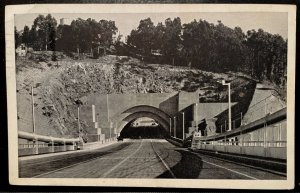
143 128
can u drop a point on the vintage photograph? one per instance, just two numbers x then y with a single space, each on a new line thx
151 93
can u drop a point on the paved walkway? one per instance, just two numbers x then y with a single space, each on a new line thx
87 147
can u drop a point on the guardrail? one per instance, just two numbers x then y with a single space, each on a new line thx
233 141
47 139
49 145
268 119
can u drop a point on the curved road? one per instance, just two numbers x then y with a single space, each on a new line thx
147 158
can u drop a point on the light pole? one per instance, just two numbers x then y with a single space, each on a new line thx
182 125
78 119
229 104
170 126
110 127
33 115
175 126
196 107
78 102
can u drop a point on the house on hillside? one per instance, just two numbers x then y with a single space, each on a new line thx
21 50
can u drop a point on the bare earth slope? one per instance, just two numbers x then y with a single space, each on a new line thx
58 84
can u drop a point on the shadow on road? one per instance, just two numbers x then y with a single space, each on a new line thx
189 167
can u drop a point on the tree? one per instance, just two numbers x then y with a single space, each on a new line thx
171 38
268 55
65 40
34 40
107 29
46 28
198 43
17 38
26 36
143 37
88 34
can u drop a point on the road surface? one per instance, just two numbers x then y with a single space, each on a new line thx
145 158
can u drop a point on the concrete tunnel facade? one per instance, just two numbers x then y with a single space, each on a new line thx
114 111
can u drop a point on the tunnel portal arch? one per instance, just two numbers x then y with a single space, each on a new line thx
136 112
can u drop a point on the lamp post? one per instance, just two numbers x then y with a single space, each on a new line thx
33 115
170 125
196 107
78 103
78 119
175 126
110 127
229 104
182 125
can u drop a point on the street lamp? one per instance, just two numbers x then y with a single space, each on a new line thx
170 125
78 103
78 119
196 107
175 126
229 104
110 127
182 125
33 115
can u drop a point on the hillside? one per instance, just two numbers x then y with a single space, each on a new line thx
60 83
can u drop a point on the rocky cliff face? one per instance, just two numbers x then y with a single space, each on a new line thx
57 85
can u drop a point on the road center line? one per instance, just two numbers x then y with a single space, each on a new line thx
120 163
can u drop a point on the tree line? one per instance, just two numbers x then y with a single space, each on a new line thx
80 36
198 44
213 47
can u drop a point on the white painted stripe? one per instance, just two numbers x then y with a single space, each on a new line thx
251 177
120 163
164 163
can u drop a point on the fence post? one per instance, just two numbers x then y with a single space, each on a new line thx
52 145
279 135
36 146
265 138
65 147
265 106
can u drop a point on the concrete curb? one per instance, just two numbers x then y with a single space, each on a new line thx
278 167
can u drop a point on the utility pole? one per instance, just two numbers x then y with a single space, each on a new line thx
33 115
78 119
182 125
196 107
229 104
107 105
170 126
110 125
175 126
33 122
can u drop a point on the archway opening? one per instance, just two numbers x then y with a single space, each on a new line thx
143 128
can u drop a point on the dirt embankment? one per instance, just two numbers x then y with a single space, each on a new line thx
60 83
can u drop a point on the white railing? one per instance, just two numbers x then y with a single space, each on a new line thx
47 139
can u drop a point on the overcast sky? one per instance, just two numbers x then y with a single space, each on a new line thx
275 23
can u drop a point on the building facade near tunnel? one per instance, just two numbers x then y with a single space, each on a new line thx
107 115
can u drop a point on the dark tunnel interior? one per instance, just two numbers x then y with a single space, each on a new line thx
152 131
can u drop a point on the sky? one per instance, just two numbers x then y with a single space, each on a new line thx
272 22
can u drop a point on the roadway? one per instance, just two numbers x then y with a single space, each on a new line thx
145 158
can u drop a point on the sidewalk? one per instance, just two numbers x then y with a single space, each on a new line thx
86 147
